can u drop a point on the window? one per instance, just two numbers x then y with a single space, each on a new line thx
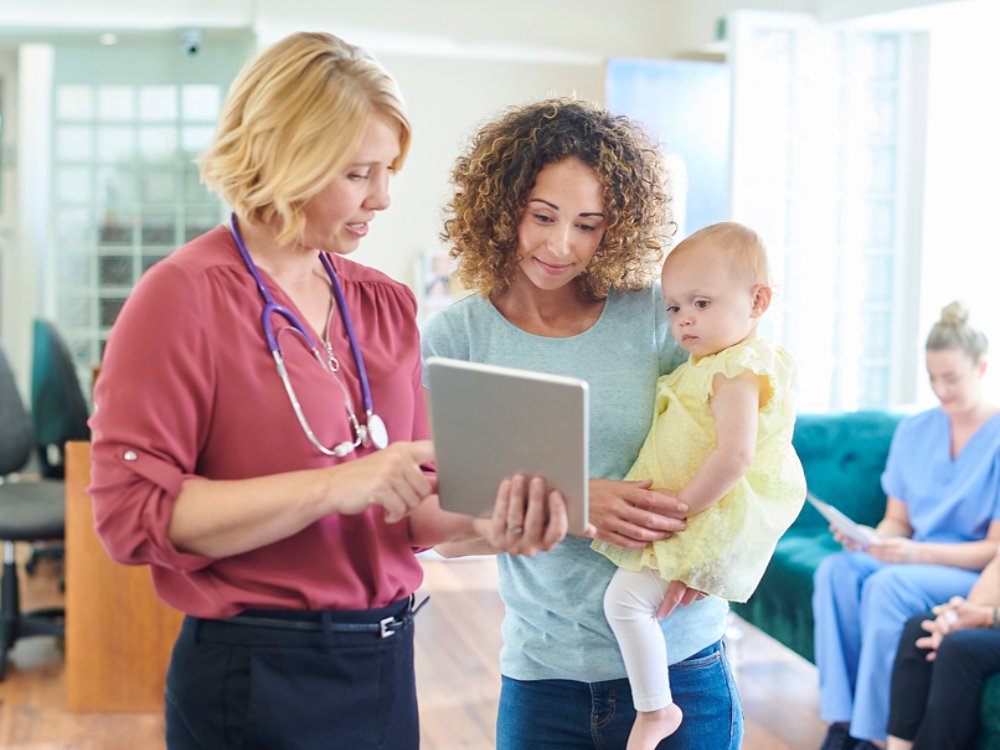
127 123
822 143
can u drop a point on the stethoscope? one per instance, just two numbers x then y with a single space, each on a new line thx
373 432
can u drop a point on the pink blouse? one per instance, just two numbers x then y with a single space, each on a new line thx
188 389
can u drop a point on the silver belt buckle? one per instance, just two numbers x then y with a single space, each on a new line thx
384 628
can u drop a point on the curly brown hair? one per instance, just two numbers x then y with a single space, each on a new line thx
493 179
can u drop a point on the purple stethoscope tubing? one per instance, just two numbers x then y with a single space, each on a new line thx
345 315
271 307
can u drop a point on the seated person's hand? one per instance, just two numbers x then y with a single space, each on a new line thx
630 514
957 614
527 517
847 542
678 594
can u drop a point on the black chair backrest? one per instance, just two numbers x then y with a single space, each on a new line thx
16 438
58 407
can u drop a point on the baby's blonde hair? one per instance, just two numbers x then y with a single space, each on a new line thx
744 250
294 117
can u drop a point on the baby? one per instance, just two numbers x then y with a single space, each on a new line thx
721 442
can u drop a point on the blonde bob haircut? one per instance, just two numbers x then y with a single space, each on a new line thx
295 117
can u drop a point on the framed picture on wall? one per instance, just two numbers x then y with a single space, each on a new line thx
435 283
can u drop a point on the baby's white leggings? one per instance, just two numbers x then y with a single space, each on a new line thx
630 604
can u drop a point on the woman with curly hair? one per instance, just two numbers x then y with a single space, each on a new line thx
558 220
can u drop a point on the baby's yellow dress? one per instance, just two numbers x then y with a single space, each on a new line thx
726 547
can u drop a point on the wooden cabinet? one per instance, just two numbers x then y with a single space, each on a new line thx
118 633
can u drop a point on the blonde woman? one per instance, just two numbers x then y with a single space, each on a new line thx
260 426
941 526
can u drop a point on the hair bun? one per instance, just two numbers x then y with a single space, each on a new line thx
954 314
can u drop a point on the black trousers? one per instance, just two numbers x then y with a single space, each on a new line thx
248 687
936 704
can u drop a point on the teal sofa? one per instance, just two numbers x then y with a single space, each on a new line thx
843 456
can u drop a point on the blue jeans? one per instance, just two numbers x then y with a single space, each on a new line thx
570 715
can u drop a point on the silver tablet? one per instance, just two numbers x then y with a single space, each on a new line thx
491 422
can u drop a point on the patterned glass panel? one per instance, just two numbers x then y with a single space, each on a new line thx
115 270
74 308
200 102
194 190
881 218
116 187
874 391
108 309
157 142
73 184
115 143
880 168
879 281
75 267
157 103
199 223
158 229
159 186
74 142
115 229
74 102
195 138
876 333
116 103
73 227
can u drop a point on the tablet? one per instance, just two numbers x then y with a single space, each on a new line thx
490 422
863 535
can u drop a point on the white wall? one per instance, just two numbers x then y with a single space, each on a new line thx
962 199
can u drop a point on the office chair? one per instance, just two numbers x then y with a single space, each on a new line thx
58 407
29 511
58 414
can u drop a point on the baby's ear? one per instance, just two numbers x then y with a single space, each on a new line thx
761 300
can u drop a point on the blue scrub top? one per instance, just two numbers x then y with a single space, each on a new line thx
948 500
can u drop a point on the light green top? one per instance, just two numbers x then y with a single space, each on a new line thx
554 627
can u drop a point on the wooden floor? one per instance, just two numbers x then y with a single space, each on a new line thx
458 639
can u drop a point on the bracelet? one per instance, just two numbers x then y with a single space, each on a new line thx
996 618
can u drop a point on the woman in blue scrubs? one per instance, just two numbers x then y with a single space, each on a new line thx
941 527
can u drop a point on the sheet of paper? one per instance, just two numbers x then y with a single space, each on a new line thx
863 535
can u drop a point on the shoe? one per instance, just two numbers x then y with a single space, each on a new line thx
837 738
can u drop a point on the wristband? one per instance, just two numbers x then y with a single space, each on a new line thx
996 618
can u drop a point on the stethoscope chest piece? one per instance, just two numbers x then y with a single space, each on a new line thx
377 432
373 432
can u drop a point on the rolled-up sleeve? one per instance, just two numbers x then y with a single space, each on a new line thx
153 400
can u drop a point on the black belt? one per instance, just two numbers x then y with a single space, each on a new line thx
322 621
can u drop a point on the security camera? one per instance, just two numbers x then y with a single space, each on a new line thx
191 41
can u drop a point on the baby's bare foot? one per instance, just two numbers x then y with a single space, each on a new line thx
652 726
